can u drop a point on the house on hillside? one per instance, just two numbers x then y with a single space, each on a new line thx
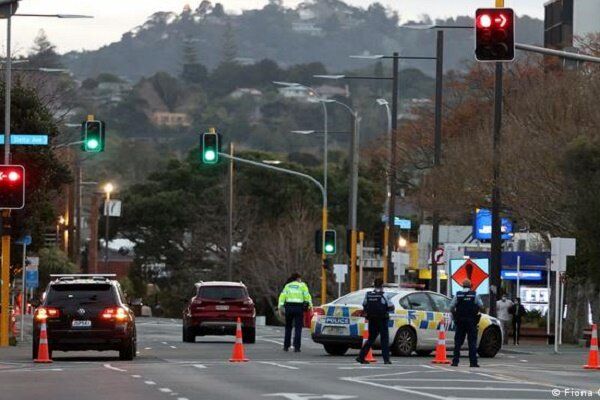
170 119
241 92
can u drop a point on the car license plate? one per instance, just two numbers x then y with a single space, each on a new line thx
335 330
222 308
77 323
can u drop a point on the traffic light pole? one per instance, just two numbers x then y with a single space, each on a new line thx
324 209
5 272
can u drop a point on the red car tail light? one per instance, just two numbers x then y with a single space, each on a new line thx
44 313
116 313
318 311
358 313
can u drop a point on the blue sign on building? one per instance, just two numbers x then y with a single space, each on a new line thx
482 225
26 140
530 275
399 222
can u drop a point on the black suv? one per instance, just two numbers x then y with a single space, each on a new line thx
85 312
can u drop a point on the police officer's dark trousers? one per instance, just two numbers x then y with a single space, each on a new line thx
294 315
377 326
466 329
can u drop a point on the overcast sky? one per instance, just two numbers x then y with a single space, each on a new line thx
115 17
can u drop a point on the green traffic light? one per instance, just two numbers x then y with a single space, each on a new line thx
92 144
329 248
209 155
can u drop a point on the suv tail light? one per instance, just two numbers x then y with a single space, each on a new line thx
358 313
116 313
44 313
318 311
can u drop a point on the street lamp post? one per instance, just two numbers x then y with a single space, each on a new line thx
386 231
108 189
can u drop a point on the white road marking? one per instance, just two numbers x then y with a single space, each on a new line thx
114 368
165 390
199 366
147 348
524 361
182 398
271 340
33 370
150 382
164 342
451 380
136 376
173 347
396 388
362 367
485 389
278 365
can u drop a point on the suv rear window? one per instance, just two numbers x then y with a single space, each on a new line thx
222 292
64 294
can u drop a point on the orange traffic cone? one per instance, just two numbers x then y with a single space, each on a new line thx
238 347
43 353
440 348
593 357
369 357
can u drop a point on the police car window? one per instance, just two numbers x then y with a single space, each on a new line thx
404 303
352 298
420 301
441 303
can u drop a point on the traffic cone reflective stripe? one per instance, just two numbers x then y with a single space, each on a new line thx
238 348
369 357
43 352
593 362
440 348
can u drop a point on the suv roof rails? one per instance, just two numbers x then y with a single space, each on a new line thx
70 277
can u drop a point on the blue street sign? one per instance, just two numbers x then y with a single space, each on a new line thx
482 225
31 278
530 275
26 140
26 240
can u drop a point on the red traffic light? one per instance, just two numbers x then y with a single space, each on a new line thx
494 34
12 187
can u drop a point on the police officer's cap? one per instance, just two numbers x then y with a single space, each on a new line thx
466 283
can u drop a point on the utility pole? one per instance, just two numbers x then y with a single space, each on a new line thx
77 215
388 273
93 244
353 199
230 217
437 154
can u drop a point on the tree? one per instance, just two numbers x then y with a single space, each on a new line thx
53 261
228 46
43 53
192 71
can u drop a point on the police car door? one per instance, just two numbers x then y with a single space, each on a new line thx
441 305
422 318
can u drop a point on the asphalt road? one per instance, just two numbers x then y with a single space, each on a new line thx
166 368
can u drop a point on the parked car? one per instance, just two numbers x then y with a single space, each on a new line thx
413 325
85 312
214 309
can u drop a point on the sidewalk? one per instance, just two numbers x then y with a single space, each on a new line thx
542 348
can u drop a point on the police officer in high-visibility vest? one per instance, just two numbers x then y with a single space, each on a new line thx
377 309
466 306
294 299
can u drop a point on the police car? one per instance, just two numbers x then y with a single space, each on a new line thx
413 326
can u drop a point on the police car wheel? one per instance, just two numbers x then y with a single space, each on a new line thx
335 349
405 342
491 342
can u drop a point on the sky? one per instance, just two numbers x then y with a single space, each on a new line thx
112 18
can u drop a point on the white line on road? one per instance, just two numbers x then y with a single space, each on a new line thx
114 368
136 376
485 389
396 388
452 380
271 340
147 348
173 347
165 390
182 398
150 382
278 365
164 343
199 366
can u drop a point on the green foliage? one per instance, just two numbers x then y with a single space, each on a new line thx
53 261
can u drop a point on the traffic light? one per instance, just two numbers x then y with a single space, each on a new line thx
210 147
92 136
12 187
329 243
495 34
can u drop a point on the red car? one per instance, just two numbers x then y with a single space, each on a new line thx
215 308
